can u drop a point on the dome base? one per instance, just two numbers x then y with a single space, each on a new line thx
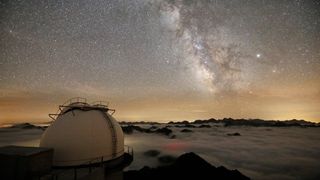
119 162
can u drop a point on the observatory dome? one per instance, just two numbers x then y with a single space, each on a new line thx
82 133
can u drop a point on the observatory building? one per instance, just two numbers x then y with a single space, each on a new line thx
84 141
82 133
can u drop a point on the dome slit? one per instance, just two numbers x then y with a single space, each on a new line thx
113 134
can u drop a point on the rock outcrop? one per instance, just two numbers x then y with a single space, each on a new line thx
130 128
187 166
186 131
234 134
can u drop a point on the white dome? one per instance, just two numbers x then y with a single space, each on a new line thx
83 134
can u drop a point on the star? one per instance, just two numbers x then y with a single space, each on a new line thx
150 48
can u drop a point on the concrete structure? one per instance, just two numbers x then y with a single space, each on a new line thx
19 163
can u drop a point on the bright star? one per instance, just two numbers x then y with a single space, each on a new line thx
258 55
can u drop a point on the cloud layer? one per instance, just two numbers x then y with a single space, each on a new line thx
260 153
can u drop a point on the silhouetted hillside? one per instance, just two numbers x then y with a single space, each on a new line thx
130 128
187 166
27 126
251 122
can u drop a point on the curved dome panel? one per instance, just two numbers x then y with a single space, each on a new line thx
80 136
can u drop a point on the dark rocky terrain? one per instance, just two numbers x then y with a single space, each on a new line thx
234 134
187 166
231 122
27 126
130 128
247 122
186 131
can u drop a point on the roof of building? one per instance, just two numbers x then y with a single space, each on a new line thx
22 151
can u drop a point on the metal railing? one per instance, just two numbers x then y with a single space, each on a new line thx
100 103
97 162
128 149
75 100
81 101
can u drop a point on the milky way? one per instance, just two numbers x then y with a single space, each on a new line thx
215 60
176 58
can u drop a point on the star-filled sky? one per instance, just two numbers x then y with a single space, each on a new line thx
161 60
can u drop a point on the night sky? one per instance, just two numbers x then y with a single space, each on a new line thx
163 60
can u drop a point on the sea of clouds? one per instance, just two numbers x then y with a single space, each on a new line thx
260 152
